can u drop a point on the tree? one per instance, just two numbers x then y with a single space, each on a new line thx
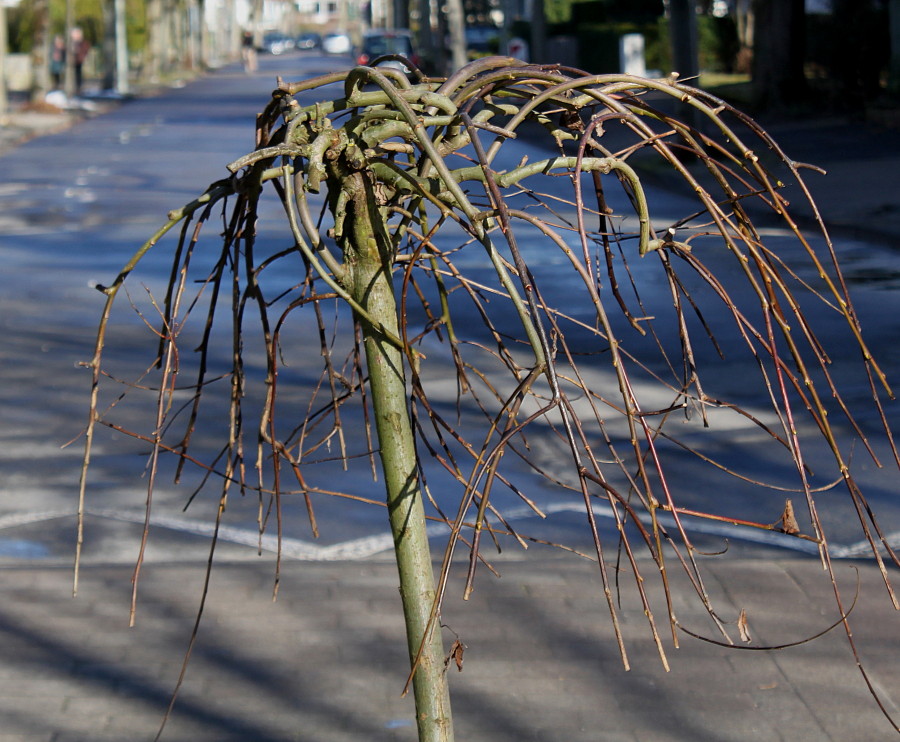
40 50
456 33
683 33
425 36
894 21
744 25
861 41
4 49
778 52
563 313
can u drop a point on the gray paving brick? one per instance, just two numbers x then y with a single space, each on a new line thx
541 662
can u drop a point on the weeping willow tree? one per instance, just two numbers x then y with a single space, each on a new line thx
469 309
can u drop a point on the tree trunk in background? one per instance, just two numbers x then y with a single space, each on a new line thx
109 45
441 58
685 49
860 51
894 77
185 41
425 39
743 18
153 51
4 49
121 64
40 51
456 26
779 51
206 41
538 32
401 14
683 37
172 43
71 51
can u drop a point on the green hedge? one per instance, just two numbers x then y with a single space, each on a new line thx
598 43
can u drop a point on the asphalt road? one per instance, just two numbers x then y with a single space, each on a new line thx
77 204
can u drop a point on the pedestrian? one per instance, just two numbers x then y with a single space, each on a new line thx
80 49
248 52
58 61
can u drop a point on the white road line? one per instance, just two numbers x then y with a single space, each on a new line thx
367 546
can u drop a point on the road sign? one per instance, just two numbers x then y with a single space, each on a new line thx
517 48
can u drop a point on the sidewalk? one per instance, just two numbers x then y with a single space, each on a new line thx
326 661
25 121
859 196
21 125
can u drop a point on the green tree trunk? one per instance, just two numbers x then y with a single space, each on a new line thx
368 256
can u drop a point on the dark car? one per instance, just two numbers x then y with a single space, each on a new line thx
277 43
377 43
482 41
308 41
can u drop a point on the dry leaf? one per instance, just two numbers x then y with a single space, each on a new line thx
788 521
742 625
456 654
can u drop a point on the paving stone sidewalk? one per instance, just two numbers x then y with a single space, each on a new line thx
325 662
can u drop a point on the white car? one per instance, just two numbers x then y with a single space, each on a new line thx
336 43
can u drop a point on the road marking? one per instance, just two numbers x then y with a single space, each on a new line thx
368 546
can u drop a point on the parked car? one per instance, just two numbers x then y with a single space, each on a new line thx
308 41
336 43
277 43
378 42
482 41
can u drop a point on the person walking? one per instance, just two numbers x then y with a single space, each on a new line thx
248 52
58 61
80 47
